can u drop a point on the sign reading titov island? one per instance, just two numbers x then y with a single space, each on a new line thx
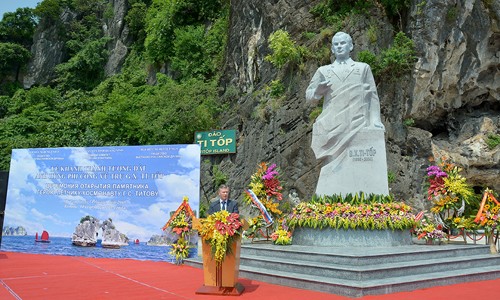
216 141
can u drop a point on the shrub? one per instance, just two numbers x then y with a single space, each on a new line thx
283 49
395 7
393 62
331 10
492 140
277 89
399 58
409 122
85 69
12 58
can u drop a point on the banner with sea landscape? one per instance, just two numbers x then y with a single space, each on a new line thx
98 201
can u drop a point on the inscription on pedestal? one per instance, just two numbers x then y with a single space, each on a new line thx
360 155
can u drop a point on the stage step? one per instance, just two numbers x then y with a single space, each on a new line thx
356 272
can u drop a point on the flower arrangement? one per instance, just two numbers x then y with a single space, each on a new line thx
369 216
488 215
266 186
180 227
265 193
446 186
180 250
429 231
181 223
255 227
282 236
463 222
220 230
455 203
450 195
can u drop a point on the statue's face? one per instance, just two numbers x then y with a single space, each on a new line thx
341 47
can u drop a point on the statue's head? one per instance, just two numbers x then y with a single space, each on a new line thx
342 45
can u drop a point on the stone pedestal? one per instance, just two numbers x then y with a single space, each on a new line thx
362 167
329 237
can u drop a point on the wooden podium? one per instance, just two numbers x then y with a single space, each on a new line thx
221 278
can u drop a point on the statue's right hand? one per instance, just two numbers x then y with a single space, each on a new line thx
323 87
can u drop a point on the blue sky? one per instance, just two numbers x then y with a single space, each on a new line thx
12 5
137 187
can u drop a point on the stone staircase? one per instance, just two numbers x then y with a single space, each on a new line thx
355 272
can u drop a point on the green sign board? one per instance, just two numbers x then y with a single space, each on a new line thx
216 141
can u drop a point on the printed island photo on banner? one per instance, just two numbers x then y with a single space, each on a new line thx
88 199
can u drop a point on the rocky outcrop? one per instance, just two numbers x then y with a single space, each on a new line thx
456 91
158 240
48 49
86 232
112 238
47 52
11 231
281 135
453 94
117 30
459 59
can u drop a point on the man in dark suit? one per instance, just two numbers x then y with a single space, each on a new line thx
223 202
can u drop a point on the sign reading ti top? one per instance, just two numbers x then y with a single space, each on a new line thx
216 141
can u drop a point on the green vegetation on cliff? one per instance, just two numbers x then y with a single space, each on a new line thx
81 107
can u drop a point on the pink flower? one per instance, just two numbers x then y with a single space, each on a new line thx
270 173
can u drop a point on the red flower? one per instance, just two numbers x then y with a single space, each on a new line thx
232 218
221 227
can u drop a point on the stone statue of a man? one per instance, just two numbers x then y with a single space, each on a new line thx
344 134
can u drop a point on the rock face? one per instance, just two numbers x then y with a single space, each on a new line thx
282 135
453 94
456 93
86 233
48 49
47 52
112 238
18 231
117 30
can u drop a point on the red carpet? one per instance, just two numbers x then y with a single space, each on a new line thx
33 276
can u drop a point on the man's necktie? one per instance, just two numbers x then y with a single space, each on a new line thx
223 205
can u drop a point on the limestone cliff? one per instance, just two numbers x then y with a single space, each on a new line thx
17 231
49 50
86 232
111 237
452 95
